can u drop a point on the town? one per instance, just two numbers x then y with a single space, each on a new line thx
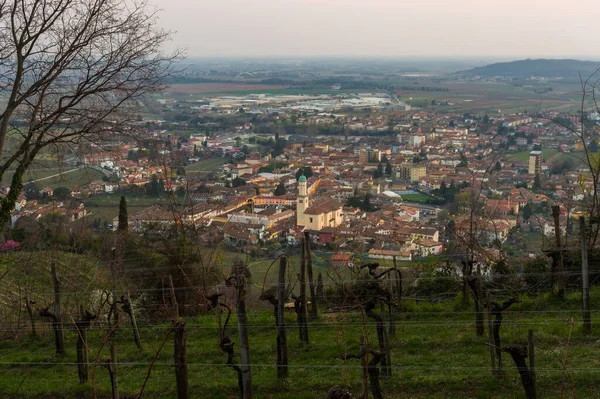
372 177
295 199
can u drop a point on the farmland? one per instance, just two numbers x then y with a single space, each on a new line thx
205 165
207 88
435 354
523 156
419 197
106 207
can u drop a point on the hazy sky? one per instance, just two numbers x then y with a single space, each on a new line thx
391 28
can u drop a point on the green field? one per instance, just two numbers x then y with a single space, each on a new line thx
420 198
106 207
577 157
434 351
523 156
78 178
435 354
67 176
39 170
206 165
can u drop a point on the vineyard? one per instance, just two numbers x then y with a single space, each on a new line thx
418 335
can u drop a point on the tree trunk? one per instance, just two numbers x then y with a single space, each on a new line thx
532 361
557 233
373 371
243 336
282 364
82 357
82 351
313 297
181 369
30 312
381 338
113 371
493 347
475 285
519 354
301 309
57 324
585 283
128 309
364 369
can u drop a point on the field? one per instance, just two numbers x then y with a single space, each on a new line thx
419 197
577 157
58 176
205 165
523 156
205 88
491 97
435 354
106 207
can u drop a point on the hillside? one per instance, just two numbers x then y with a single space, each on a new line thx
539 67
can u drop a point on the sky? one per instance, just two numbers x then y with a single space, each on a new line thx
504 29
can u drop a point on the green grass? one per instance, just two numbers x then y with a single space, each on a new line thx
106 207
576 157
420 198
206 165
66 178
523 156
435 354
39 170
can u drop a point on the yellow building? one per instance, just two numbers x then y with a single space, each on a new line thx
411 173
321 214
535 163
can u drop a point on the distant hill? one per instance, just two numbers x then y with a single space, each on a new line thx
539 67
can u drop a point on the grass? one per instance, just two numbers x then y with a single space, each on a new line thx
106 207
523 156
575 157
40 169
435 354
420 198
205 165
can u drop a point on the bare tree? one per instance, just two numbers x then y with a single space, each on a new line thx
72 71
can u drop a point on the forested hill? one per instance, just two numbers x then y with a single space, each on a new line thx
538 67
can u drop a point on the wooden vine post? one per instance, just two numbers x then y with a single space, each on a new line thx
239 280
127 308
314 312
57 322
585 279
300 305
559 256
112 366
282 364
180 343
82 351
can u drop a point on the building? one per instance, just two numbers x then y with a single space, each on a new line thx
411 173
535 163
301 201
324 213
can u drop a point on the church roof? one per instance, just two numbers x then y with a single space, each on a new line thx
326 206
302 179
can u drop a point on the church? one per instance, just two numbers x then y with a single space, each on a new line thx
324 212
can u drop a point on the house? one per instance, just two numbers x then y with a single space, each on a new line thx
390 254
110 187
341 260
